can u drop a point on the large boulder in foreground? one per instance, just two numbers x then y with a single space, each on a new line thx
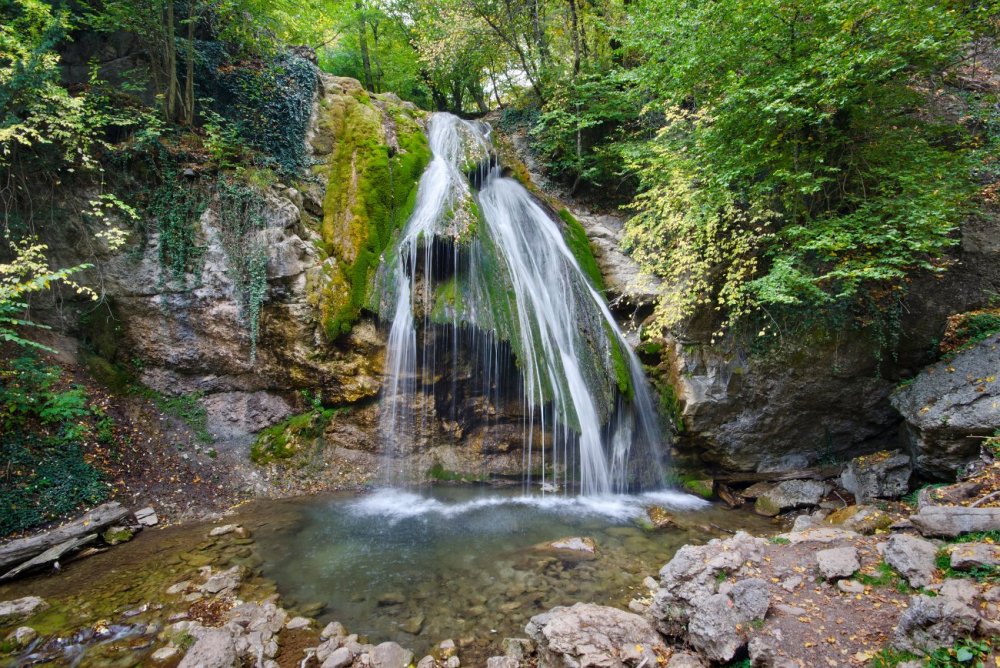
695 603
950 406
588 635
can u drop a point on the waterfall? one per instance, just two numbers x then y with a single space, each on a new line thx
482 269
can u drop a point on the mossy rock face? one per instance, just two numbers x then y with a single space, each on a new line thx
286 439
703 488
377 155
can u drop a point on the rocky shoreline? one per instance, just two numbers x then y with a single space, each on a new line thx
879 583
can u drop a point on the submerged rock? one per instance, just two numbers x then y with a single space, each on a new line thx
593 635
21 608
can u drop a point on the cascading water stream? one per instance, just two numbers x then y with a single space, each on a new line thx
490 270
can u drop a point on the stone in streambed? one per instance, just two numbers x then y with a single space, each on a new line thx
23 636
391 598
573 544
339 658
116 535
390 655
413 625
21 608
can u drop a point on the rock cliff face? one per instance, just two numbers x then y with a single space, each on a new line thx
951 407
825 397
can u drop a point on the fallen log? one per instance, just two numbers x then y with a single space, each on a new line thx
50 555
951 521
23 549
816 473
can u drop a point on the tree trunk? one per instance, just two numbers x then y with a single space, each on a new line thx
189 73
366 62
575 30
476 91
171 63
23 549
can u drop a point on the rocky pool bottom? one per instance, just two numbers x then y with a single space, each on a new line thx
469 564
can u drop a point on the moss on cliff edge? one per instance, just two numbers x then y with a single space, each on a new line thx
579 246
371 191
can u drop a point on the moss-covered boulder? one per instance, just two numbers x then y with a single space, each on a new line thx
374 151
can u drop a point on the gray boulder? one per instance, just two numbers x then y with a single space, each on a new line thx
932 622
213 649
682 659
913 557
966 556
339 658
502 662
949 406
20 608
881 475
588 635
688 579
789 495
390 655
716 627
838 562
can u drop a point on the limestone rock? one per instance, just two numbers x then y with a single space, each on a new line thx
881 475
949 406
23 636
20 608
966 556
339 658
682 659
838 562
932 622
298 623
147 517
502 662
224 582
949 521
593 635
862 519
517 648
390 655
573 544
913 557
713 630
789 495
689 604
213 649
850 587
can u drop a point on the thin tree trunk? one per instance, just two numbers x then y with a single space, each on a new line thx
476 91
576 36
366 62
189 74
171 61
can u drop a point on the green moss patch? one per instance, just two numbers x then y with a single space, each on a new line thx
579 246
285 439
371 192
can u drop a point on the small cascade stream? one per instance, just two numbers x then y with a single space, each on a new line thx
482 266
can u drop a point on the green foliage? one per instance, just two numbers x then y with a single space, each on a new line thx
266 102
889 657
43 422
185 407
285 439
176 206
241 218
584 127
792 169
778 540
968 652
885 576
